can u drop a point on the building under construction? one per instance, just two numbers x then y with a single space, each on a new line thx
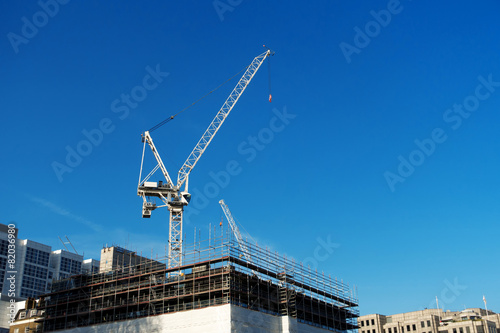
222 286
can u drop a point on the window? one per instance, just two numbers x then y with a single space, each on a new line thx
367 323
402 329
407 328
461 330
373 331
422 324
26 330
390 330
467 329
415 327
454 330
428 323
362 323
395 330
16 330
4 247
43 258
373 321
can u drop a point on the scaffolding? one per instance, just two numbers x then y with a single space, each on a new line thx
214 272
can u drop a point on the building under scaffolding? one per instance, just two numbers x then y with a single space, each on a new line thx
216 274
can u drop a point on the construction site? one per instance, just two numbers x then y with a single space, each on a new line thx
221 284
215 272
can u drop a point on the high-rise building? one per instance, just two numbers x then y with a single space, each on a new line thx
33 272
28 268
36 265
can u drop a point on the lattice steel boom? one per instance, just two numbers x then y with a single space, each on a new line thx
236 230
226 108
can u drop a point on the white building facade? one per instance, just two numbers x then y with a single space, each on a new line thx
474 320
36 265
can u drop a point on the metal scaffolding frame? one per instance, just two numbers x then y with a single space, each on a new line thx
214 272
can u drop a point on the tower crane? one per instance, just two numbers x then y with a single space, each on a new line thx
175 196
236 230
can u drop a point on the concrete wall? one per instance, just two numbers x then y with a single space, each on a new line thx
210 320
248 321
217 319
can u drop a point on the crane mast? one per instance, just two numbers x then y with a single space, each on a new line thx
168 192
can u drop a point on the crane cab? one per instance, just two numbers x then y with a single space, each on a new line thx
147 208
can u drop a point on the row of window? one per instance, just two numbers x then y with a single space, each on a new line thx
409 328
367 322
413 326
37 257
38 272
402 330
22 315
2 276
25 293
71 266
32 283
461 330
4 247
27 329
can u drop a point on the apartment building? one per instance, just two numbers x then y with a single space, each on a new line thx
474 320
34 267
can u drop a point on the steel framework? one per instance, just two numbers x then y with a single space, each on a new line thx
213 273
235 229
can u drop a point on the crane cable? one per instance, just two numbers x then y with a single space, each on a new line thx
269 77
181 111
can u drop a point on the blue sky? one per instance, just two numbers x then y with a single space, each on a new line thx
381 138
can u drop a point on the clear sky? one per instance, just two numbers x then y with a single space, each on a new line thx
377 160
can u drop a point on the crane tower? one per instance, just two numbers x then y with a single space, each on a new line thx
175 196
